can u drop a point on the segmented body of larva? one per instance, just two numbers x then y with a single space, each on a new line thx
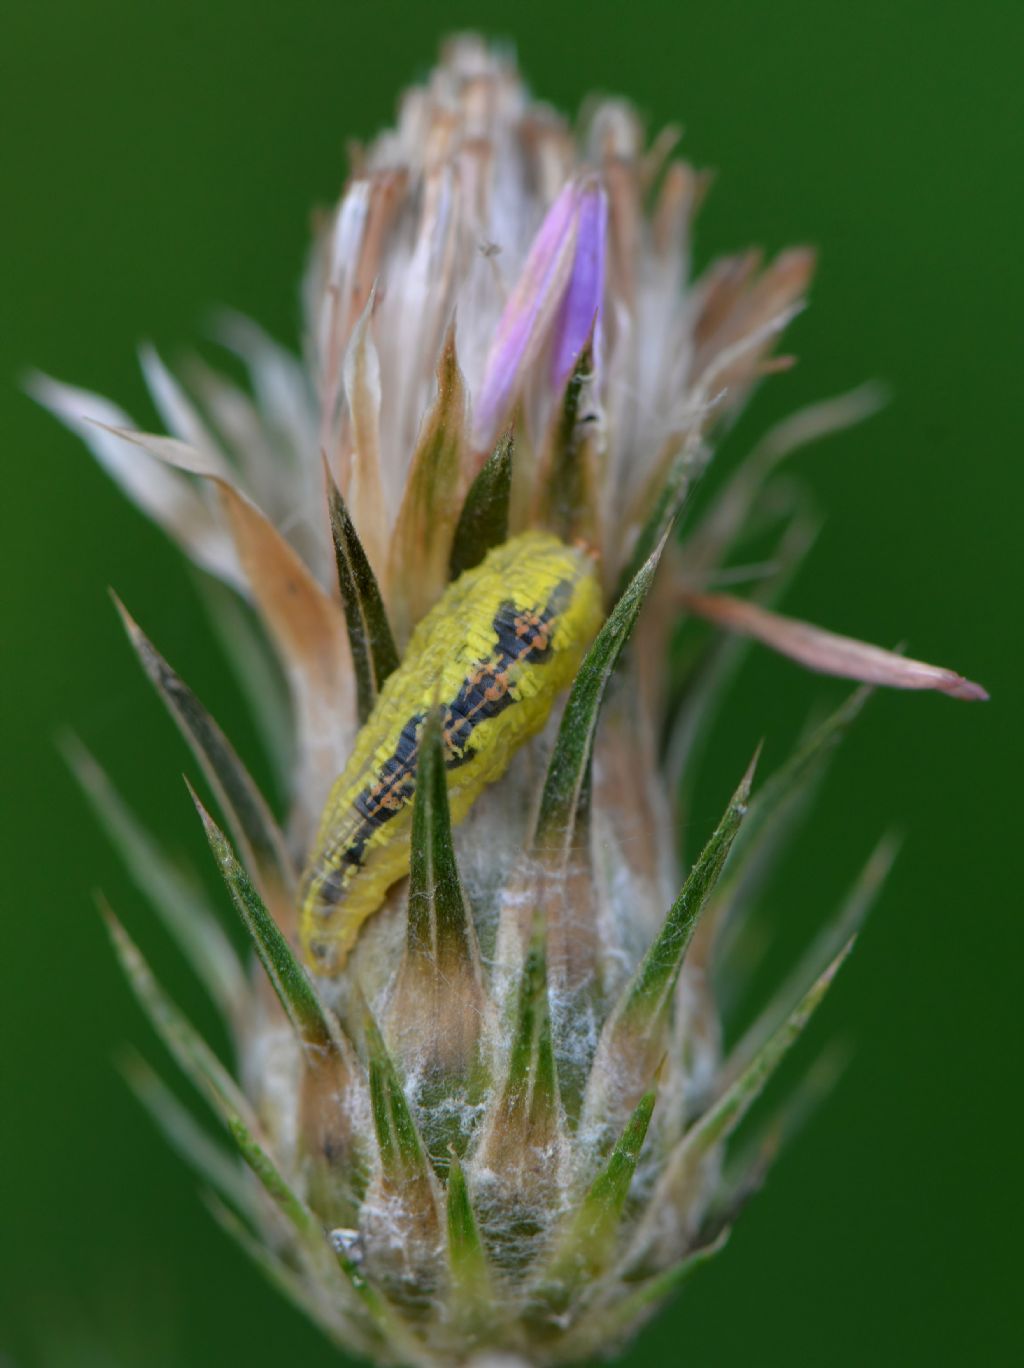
494 653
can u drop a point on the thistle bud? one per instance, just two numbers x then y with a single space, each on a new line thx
481 1107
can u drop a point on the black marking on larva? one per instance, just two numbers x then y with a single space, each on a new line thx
524 637
388 794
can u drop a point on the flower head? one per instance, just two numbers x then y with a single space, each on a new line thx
483 1103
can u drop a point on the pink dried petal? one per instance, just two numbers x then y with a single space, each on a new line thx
826 652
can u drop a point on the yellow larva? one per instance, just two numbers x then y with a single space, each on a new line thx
496 650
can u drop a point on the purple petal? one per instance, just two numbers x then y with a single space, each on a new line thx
583 303
527 314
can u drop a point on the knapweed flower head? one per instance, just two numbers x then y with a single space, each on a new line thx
480 1103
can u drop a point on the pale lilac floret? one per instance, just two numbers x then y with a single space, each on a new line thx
583 305
528 313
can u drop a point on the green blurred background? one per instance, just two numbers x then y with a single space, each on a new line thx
159 158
